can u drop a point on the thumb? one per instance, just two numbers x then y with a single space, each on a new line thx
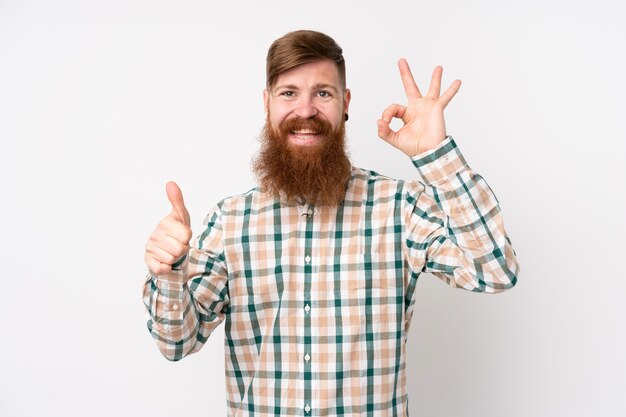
175 196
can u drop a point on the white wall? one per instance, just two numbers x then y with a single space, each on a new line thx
102 102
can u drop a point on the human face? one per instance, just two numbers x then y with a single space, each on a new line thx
308 90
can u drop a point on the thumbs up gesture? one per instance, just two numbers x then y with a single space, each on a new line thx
170 240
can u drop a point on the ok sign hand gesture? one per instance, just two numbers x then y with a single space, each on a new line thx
424 126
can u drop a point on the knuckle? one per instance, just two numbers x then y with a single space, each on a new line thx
165 268
169 258
181 250
177 249
154 240
153 265
160 268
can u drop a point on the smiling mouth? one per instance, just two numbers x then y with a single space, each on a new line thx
304 136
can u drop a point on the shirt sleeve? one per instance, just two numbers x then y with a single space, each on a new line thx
184 306
454 227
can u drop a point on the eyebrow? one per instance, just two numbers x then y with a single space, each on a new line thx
315 87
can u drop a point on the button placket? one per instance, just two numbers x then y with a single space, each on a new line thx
306 299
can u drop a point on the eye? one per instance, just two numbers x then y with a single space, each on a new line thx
287 93
324 94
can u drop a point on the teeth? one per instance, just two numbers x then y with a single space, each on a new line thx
305 132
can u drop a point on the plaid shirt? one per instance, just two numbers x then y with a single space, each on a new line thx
317 302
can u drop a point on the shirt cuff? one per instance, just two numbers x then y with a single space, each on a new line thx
438 165
165 301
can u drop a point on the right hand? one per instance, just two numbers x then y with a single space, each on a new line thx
170 240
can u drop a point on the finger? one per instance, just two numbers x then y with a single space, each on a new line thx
175 196
156 267
435 83
161 255
410 88
171 226
450 92
385 132
394 110
171 245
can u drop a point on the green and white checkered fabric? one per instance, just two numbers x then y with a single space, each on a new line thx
317 302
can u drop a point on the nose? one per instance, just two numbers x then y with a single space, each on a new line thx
306 108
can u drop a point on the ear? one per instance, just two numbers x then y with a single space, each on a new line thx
266 101
346 100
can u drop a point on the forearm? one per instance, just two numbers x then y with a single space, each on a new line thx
185 305
465 243
172 318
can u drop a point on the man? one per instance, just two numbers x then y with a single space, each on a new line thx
314 271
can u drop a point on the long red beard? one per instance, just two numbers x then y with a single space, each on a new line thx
316 174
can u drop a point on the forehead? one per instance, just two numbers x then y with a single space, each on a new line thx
312 73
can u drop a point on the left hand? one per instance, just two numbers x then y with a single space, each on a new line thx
424 126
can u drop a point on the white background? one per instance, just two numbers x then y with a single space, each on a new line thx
101 102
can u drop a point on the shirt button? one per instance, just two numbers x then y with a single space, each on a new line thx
307 357
307 308
307 408
307 259
174 307
309 212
